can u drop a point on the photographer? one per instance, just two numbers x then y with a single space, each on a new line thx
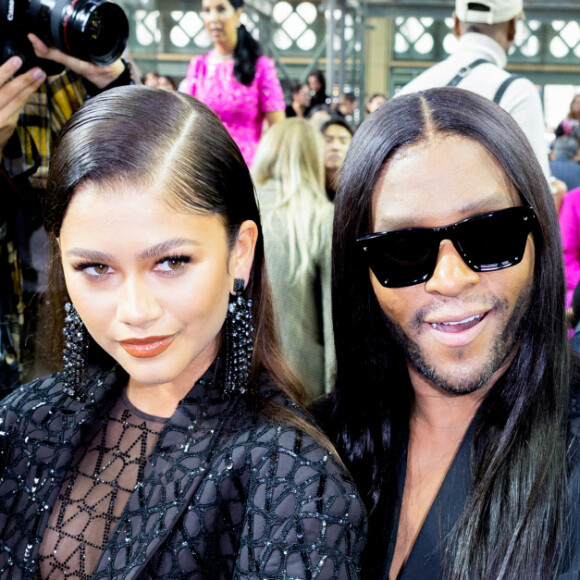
33 108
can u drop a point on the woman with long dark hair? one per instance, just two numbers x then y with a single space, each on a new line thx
506 503
234 79
174 443
317 85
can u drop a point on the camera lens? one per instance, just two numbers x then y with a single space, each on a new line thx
95 30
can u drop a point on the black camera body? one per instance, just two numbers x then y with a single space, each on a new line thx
92 30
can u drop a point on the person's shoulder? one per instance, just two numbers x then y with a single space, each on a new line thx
522 83
520 88
265 61
283 431
197 61
279 442
572 197
37 389
48 396
29 399
428 79
265 65
309 496
327 211
200 57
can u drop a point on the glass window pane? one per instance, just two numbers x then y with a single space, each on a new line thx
307 11
307 41
281 11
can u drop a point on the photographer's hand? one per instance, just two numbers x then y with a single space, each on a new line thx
14 94
100 76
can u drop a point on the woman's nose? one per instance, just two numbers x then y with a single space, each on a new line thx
138 304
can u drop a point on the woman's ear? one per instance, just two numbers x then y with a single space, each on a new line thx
239 12
242 256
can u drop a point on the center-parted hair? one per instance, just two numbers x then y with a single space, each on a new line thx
512 521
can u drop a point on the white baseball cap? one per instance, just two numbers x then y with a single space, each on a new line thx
488 11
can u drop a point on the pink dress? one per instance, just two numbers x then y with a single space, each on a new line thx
570 230
240 108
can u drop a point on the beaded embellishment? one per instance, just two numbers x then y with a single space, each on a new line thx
75 351
239 342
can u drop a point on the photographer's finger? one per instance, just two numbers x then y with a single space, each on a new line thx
34 76
43 51
9 68
14 94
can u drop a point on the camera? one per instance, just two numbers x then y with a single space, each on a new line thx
92 30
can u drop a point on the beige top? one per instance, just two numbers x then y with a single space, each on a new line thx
303 306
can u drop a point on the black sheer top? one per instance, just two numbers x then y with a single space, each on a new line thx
226 492
95 491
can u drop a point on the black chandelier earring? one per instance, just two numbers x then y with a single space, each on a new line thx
74 354
239 341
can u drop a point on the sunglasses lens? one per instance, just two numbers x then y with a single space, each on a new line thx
486 243
496 241
402 258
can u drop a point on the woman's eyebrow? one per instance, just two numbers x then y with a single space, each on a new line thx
90 255
159 250
155 251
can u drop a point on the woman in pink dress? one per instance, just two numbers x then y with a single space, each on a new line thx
234 79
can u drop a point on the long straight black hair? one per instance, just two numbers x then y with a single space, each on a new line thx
115 140
246 53
512 521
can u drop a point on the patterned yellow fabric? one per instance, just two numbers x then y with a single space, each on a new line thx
43 116
23 176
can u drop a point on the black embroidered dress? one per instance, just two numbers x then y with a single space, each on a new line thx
225 493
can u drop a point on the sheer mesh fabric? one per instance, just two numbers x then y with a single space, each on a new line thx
226 493
95 492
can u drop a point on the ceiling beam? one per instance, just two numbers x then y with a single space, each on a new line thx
543 10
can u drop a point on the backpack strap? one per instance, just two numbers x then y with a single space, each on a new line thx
503 88
464 71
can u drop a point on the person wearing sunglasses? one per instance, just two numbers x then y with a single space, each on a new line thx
452 401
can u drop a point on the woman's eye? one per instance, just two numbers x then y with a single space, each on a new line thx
96 270
172 264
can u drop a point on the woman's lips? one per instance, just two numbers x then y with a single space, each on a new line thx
147 347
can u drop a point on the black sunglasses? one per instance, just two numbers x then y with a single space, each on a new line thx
487 242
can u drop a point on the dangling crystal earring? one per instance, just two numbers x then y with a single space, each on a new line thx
239 341
74 354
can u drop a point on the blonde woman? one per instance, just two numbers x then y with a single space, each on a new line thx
297 221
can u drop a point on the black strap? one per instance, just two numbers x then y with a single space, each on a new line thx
464 71
503 88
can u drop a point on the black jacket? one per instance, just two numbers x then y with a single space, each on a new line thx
226 493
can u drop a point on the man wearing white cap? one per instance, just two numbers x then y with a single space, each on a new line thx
486 30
